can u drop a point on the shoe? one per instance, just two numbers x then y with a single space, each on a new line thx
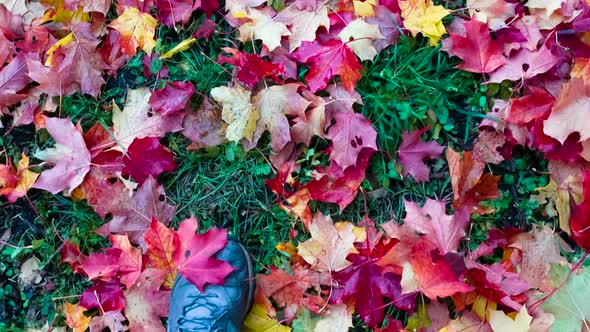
220 308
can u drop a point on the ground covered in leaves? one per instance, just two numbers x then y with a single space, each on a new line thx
390 165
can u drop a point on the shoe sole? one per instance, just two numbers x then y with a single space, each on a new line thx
251 279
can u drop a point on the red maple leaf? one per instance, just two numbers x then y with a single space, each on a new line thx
147 157
413 151
171 12
351 134
434 278
105 296
328 60
13 78
366 286
251 67
535 105
174 97
480 54
188 253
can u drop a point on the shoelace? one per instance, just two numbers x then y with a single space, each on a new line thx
209 322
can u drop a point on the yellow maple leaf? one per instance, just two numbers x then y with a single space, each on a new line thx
137 30
59 14
502 322
258 320
238 112
27 178
263 27
364 7
422 16
75 317
60 43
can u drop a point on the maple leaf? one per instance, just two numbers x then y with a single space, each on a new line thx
147 157
486 146
137 30
101 265
72 64
174 97
303 24
469 186
497 283
329 244
434 279
412 152
367 286
263 27
195 259
13 78
337 319
112 320
260 320
274 103
499 321
336 186
75 317
351 134
238 112
328 60
480 54
204 127
136 121
100 6
567 116
289 290
136 213
525 65
569 305
540 249
252 67
388 23
15 186
162 244
171 12
104 296
493 12
422 16
188 253
70 157
535 105
145 303
442 230
130 259
359 36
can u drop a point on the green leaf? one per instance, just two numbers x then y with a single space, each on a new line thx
305 321
570 305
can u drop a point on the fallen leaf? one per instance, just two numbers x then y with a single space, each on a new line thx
70 157
422 16
329 244
480 54
444 231
147 157
359 36
75 318
29 273
145 304
525 65
351 134
412 152
259 320
136 121
337 319
13 79
113 320
303 23
486 147
130 259
274 104
137 30
174 97
204 127
328 60
262 26
171 12
238 112
566 116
